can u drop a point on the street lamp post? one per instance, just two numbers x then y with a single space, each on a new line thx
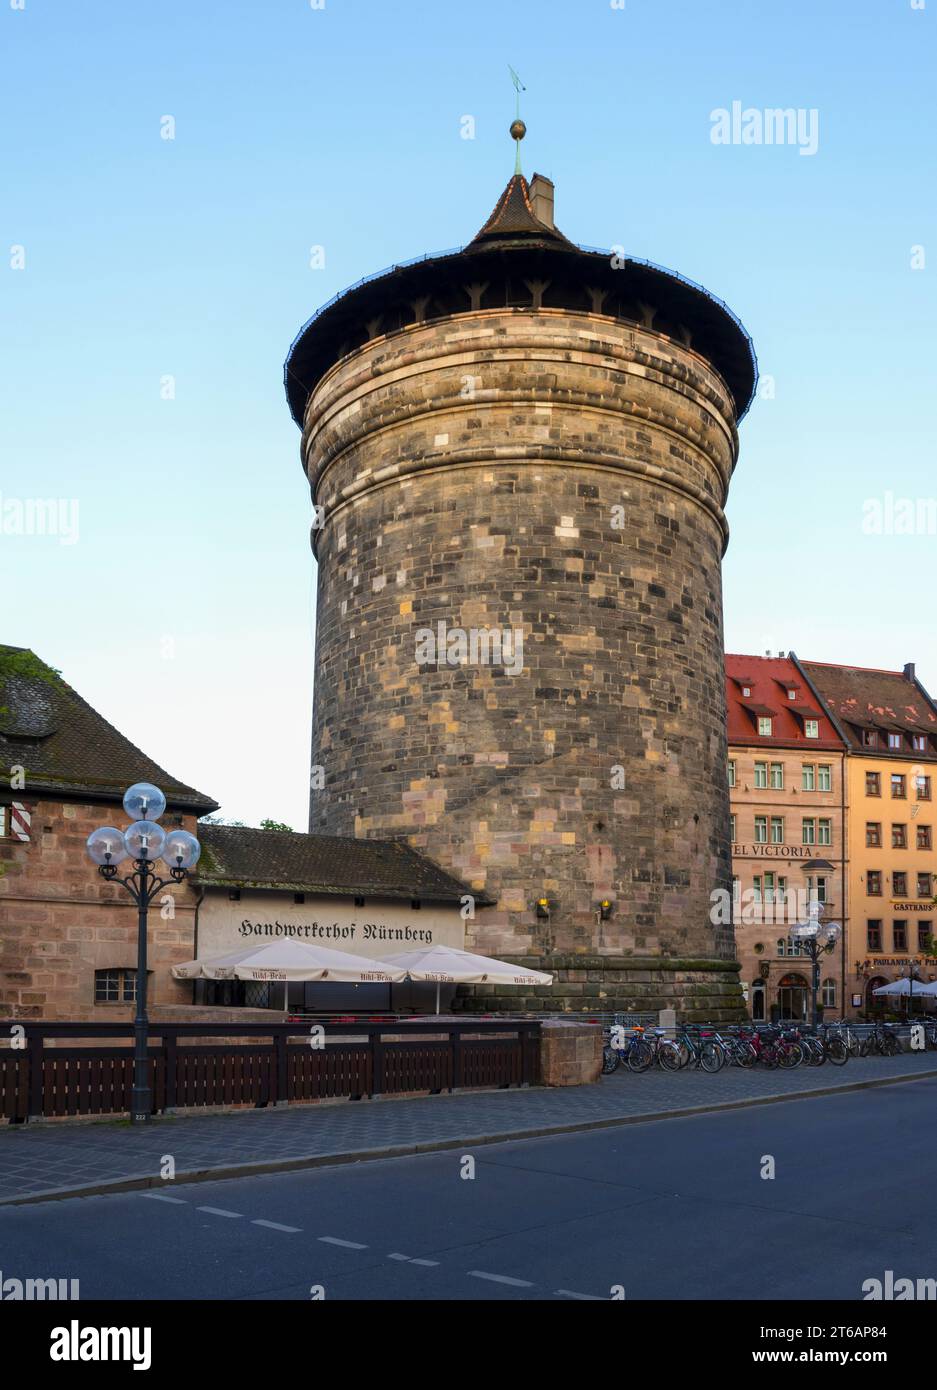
143 842
816 941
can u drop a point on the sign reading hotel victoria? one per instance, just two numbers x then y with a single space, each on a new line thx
376 930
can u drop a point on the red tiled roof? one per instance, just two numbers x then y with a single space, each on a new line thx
762 675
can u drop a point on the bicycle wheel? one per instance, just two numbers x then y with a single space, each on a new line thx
837 1051
890 1046
815 1052
670 1057
745 1055
712 1057
791 1056
610 1060
865 1047
768 1056
640 1055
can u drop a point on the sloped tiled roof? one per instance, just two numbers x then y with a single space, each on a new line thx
769 679
862 698
65 746
235 856
513 217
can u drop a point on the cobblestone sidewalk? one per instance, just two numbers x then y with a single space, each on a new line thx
37 1160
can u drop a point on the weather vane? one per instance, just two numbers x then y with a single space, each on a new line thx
518 129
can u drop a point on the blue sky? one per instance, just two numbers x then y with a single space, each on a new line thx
185 609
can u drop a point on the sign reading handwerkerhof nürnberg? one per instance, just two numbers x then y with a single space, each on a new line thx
376 930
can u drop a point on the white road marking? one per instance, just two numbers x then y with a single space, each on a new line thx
431 1264
159 1197
219 1211
405 1258
501 1279
348 1244
275 1226
568 1293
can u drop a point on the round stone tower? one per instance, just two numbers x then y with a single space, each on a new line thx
519 455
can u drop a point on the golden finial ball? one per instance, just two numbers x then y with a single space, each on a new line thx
518 130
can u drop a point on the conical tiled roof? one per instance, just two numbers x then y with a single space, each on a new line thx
513 218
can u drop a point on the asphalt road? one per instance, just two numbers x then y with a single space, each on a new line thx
673 1209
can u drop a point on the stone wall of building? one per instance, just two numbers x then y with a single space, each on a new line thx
60 921
561 475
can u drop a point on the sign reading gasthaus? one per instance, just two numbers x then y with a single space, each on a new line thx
375 930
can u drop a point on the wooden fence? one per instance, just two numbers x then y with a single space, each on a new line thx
267 1065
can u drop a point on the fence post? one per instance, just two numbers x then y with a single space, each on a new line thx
530 1040
455 1038
377 1061
169 1063
282 1087
34 1051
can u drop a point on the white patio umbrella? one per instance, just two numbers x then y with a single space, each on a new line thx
904 986
451 965
290 960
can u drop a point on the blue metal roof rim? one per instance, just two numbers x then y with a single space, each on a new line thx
589 250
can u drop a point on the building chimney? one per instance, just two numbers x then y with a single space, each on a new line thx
909 671
541 199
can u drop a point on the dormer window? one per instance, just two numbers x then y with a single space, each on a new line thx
869 738
894 741
746 691
812 728
919 743
764 726
792 694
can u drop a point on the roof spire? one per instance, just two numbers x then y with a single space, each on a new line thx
518 129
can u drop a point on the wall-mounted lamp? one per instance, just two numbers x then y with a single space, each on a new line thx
605 909
543 907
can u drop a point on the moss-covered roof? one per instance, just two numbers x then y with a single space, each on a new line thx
238 857
66 747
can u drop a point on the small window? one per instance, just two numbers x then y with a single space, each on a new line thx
299 898
825 778
115 986
924 933
764 726
761 830
359 902
874 935
869 738
809 831
777 830
732 829
746 691
925 885
919 743
415 904
873 883
899 884
816 888
234 895
894 741
808 777
922 784
792 694
731 772
899 837
899 934
873 834
777 777
924 837
824 831
898 790
829 994
812 728
761 775
873 784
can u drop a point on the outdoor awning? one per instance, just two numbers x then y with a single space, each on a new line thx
290 960
449 965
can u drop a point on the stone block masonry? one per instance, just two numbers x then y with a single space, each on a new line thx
561 475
